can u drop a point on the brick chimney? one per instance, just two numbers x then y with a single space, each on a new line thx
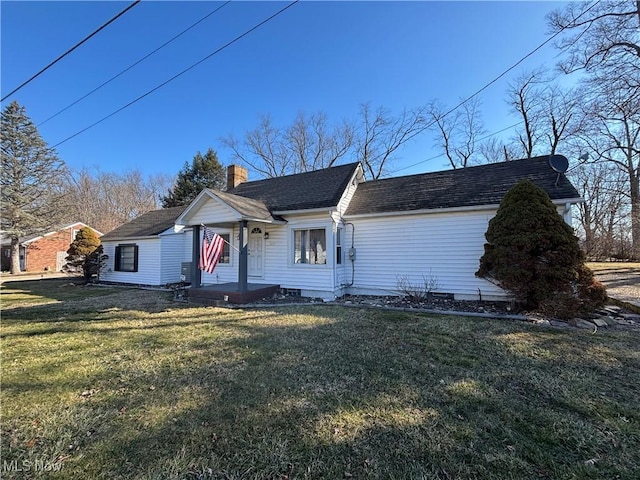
235 176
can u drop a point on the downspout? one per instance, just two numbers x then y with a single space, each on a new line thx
566 214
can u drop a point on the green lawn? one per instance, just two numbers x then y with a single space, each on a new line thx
113 383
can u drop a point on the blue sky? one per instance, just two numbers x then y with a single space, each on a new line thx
316 56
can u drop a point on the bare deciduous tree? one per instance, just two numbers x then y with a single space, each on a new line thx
494 150
380 134
604 41
602 213
613 136
263 149
522 98
315 145
311 142
457 131
600 34
548 112
107 200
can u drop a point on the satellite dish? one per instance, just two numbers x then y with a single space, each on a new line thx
558 163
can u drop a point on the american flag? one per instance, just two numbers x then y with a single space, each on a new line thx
210 250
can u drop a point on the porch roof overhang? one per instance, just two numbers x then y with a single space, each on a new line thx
233 208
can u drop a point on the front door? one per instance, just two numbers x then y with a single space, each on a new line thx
255 253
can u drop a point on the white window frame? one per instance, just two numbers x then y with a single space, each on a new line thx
292 247
227 236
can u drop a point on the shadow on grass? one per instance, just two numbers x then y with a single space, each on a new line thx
345 393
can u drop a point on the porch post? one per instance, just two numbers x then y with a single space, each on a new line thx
196 274
242 263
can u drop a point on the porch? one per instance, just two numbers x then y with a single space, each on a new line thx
216 293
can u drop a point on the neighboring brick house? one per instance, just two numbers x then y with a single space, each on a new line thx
43 252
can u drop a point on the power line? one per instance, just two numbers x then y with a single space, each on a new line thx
70 50
231 42
494 81
134 64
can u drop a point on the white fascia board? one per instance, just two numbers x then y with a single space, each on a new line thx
272 221
31 240
471 208
308 211
131 239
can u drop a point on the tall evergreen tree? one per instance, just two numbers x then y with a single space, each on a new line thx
32 176
205 171
532 253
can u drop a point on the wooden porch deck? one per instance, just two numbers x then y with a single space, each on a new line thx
215 294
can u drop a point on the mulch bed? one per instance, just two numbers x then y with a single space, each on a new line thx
624 318
433 303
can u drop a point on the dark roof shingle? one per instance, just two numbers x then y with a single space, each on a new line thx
471 186
301 191
147 224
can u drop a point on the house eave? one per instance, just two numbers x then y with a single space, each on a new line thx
272 221
470 208
131 239
307 211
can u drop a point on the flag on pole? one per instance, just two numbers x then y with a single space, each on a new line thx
210 250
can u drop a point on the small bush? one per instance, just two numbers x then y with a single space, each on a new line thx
417 291
85 253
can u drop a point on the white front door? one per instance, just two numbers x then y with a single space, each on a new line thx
255 253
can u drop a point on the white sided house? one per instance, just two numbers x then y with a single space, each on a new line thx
329 232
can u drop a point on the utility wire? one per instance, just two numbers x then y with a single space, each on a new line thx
494 81
231 42
70 50
134 64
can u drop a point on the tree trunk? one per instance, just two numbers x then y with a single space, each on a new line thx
15 255
635 216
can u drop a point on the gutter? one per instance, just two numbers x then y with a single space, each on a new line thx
470 208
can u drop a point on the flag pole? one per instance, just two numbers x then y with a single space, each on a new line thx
235 248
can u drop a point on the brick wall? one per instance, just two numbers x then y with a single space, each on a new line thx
42 253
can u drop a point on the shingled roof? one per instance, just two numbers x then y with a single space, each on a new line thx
466 187
146 225
301 191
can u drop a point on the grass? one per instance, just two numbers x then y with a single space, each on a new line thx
604 267
104 383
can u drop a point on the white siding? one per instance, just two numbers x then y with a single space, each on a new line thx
148 263
445 246
171 257
347 195
212 212
279 267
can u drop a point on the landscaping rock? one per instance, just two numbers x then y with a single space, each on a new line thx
600 322
585 324
624 321
559 324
